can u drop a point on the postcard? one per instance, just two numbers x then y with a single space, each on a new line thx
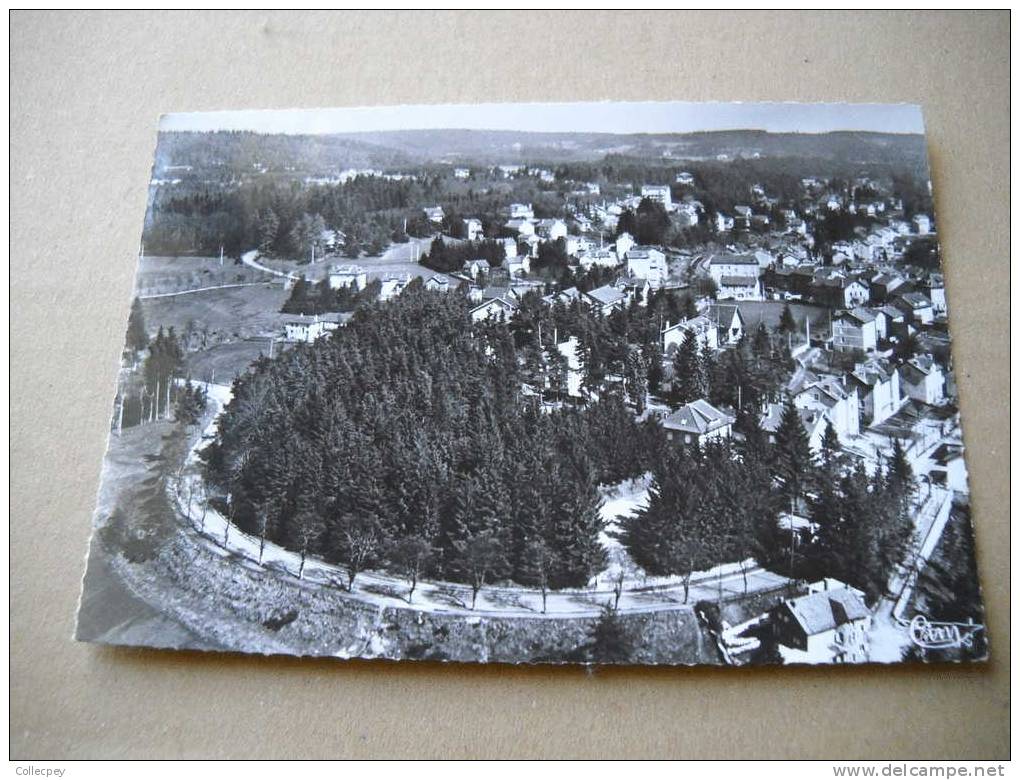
596 383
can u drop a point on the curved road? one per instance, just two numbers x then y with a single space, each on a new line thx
442 597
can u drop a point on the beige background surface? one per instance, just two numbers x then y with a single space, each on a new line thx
86 91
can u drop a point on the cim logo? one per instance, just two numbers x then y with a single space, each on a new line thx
940 636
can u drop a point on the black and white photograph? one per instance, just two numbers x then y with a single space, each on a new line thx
577 383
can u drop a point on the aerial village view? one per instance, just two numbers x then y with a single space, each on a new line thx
470 395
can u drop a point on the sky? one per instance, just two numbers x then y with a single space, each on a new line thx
604 117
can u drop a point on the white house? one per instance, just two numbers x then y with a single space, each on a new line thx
922 224
728 321
949 468
437 283
743 216
685 178
606 299
646 262
624 242
499 309
521 226
688 214
739 288
551 229
917 307
723 223
923 380
475 267
307 329
518 266
392 286
659 193
854 329
727 264
521 211
698 422
838 402
566 297
829 625
705 331
603 258
878 387
509 247
936 288
353 276
434 213
461 173
473 228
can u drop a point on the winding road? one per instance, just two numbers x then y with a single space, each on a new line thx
382 589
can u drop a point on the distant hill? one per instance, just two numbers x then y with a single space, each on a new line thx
320 154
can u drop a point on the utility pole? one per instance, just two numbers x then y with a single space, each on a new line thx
221 255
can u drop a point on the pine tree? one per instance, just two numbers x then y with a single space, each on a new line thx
787 322
137 336
794 459
268 226
610 641
830 447
687 373
637 381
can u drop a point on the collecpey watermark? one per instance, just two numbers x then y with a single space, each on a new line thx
31 770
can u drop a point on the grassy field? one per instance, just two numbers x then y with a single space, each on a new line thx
224 361
171 274
235 313
769 312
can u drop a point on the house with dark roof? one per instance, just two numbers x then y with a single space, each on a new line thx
828 625
836 400
697 422
308 328
728 264
566 297
841 291
878 387
606 299
705 331
923 380
647 262
475 267
739 288
437 283
885 286
814 423
497 309
353 276
917 307
728 321
855 329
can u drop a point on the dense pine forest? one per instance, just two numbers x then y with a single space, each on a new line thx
405 440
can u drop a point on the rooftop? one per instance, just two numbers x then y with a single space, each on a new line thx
697 417
827 610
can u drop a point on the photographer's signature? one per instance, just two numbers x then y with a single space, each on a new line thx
933 635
